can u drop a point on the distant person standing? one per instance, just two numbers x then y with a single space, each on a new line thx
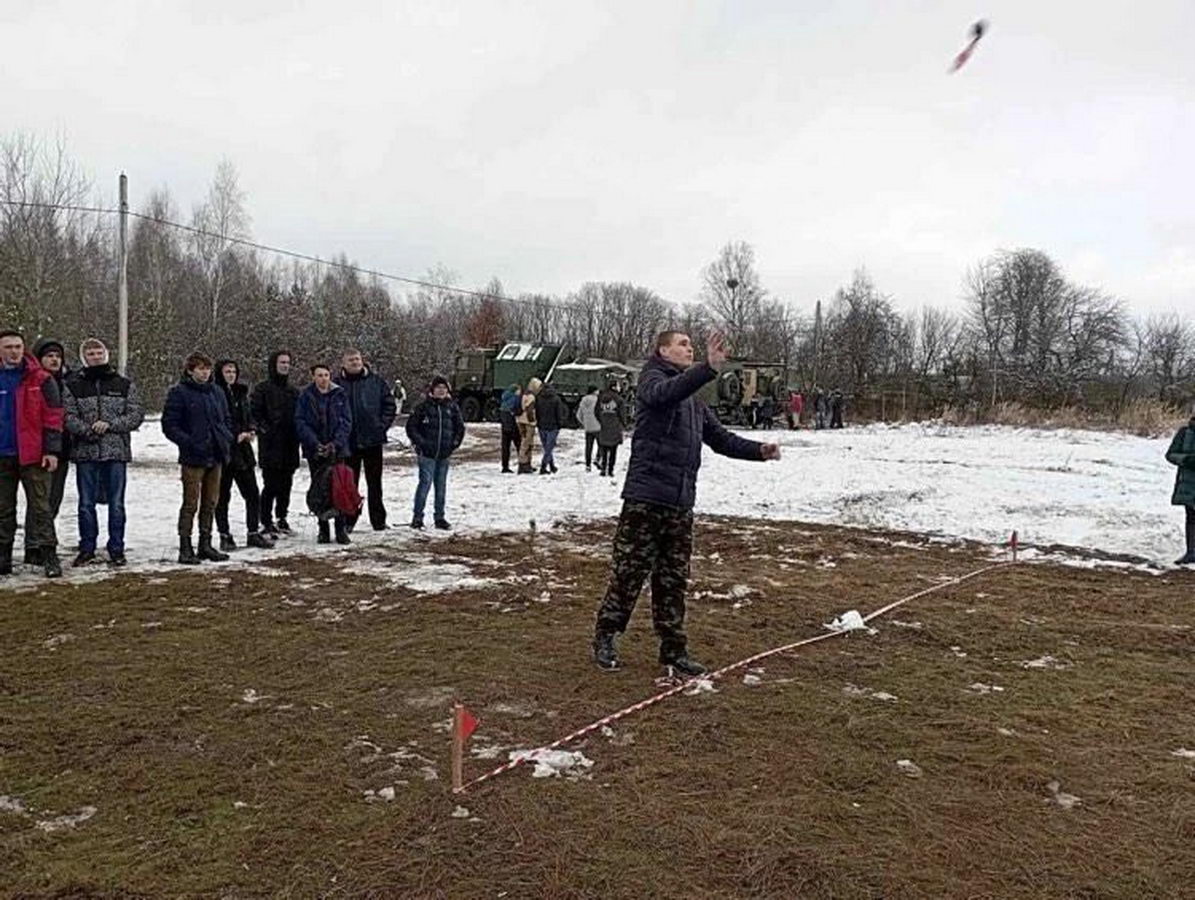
103 409
435 428
587 417
52 357
1182 454
836 403
552 414
610 414
31 419
324 425
273 406
655 528
373 410
241 468
526 420
796 404
509 408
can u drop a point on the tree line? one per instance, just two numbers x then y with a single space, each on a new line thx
1024 333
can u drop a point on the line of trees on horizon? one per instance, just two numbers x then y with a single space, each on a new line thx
1025 332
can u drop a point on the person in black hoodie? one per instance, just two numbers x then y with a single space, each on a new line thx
52 356
241 463
552 414
273 407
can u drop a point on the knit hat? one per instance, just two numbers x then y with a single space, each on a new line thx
93 343
45 346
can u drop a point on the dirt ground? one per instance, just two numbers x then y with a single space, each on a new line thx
215 733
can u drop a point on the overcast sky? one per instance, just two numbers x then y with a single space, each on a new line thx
550 143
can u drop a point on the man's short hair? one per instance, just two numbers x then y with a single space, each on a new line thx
352 351
198 361
320 366
665 339
8 332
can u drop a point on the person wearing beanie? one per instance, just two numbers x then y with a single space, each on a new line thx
435 428
52 356
30 441
273 408
241 468
103 409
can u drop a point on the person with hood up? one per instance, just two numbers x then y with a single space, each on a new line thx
551 414
655 528
273 407
51 355
103 409
196 418
610 413
435 429
373 410
508 408
30 440
587 418
324 426
526 420
1181 453
241 468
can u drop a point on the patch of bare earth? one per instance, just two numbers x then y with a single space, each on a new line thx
239 734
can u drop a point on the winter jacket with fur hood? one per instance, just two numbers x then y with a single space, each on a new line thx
99 394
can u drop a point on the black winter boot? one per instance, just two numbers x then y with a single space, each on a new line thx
50 564
325 533
342 533
684 666
259 540
208 552
5 559
33 556
227 543
605 654
283 527
186 553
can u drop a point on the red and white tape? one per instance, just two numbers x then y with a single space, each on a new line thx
717 673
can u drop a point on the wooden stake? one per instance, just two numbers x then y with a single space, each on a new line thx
1013 543
458 746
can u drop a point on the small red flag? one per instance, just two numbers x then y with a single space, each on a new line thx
469 723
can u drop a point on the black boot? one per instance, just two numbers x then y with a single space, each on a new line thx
342 533
33 556
208 552
85 558
416 522
227 543
186 553
5 559
259 540
50 564
325 533
605 654
683 665
443 525
284 527
1188 558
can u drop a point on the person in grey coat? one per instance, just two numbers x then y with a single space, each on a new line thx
587 417
103 409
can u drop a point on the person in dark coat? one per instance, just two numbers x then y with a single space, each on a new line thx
508 409
836 403
1181 453
373 409
610 413
52 356
273 406
196 418
241 469
103 409
435 428
31 417
552 414
324 425
655 527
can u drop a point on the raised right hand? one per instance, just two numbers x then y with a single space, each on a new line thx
716 350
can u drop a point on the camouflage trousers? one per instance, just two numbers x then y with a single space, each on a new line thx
657 541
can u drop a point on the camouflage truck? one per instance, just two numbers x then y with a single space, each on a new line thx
741 385
572 381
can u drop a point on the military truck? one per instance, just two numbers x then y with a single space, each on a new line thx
481 375
740 387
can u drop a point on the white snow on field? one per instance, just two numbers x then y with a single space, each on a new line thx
1096 490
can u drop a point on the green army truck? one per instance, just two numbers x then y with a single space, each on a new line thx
740 387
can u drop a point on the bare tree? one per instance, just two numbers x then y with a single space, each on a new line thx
223 219
732 293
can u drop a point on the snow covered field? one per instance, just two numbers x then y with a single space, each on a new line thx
1108 492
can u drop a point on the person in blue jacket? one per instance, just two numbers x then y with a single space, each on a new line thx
324 424
435 429
655 528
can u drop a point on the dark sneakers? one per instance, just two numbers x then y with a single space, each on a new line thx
50 564
443 525
117 559
283 527
85 558
684 666
605 654
416 523
1188 559
227 543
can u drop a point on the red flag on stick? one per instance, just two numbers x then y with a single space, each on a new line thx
464 723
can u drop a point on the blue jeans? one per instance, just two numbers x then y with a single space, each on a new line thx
91 478
548 439
431 471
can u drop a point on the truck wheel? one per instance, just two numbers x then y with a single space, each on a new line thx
471 409
493 409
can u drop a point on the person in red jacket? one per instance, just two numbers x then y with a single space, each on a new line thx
31 419
796 405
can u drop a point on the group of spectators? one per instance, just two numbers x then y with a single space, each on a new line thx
537 408
824 408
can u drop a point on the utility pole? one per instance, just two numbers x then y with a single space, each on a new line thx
123 280
817 340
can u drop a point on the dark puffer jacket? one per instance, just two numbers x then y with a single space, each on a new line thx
609 415
60 377
551 410
671 424
371 403
273 407
241 457
196 418
436 427
1182 454
99 394
323 419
